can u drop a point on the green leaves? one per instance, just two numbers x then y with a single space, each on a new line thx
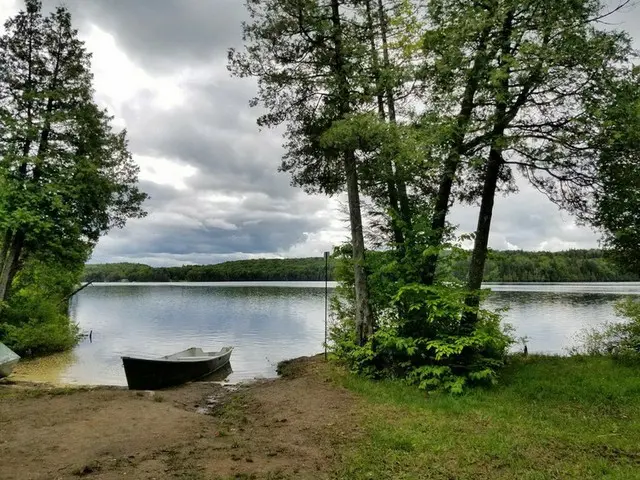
621 340
419 338
34 320
66 176
423 103
617 200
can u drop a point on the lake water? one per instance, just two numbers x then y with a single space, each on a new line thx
272 321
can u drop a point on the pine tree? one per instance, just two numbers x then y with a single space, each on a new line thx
305 55
66 177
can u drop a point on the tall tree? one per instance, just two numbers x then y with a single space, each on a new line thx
305 55
386 106
552 60
458 49
67 177
617 199
390 74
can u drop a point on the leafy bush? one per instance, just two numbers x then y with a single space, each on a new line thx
34 321
418 335
40 337
618 339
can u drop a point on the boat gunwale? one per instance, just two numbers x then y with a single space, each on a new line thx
185 359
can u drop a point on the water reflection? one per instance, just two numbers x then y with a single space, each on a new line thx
50 369
270 322
266 324
551 320
220 375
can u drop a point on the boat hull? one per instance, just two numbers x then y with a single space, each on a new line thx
8 360
154 374
7 368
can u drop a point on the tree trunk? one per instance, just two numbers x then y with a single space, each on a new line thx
375 61
8 235
11 264
6 247
450 167
392 191
364 315
479 255
492 174
399 179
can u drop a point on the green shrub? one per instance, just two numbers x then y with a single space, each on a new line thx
617 339
34 320
40 338
418 336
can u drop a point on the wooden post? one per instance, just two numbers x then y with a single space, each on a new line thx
326 300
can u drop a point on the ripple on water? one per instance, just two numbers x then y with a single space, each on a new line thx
267 323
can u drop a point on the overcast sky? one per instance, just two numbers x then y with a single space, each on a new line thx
160 68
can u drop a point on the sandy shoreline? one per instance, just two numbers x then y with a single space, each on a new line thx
280 428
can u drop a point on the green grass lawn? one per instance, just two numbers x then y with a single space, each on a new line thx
550 417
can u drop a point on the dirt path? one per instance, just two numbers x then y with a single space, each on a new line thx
291 427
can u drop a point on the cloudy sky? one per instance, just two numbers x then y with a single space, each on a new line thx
160 68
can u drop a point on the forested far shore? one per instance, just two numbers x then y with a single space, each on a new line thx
503 266
290 269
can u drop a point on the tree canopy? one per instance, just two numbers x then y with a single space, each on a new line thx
410 107
66 176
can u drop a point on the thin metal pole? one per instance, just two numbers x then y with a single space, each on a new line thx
326 299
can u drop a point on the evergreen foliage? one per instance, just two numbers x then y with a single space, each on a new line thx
291 269
66 177
422 104
502 266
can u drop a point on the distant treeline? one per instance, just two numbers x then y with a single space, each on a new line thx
503 266
567 266
290 269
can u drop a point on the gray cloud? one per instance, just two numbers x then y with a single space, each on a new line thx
182 229
527 221
236 205
212 130
215 132
165 34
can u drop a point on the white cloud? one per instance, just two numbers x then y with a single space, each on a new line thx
510 246
7 8
118 80
163 171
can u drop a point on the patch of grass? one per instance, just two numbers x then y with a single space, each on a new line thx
38 392
233 411
182 466
551 417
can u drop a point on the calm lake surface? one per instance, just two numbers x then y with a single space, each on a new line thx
271 321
